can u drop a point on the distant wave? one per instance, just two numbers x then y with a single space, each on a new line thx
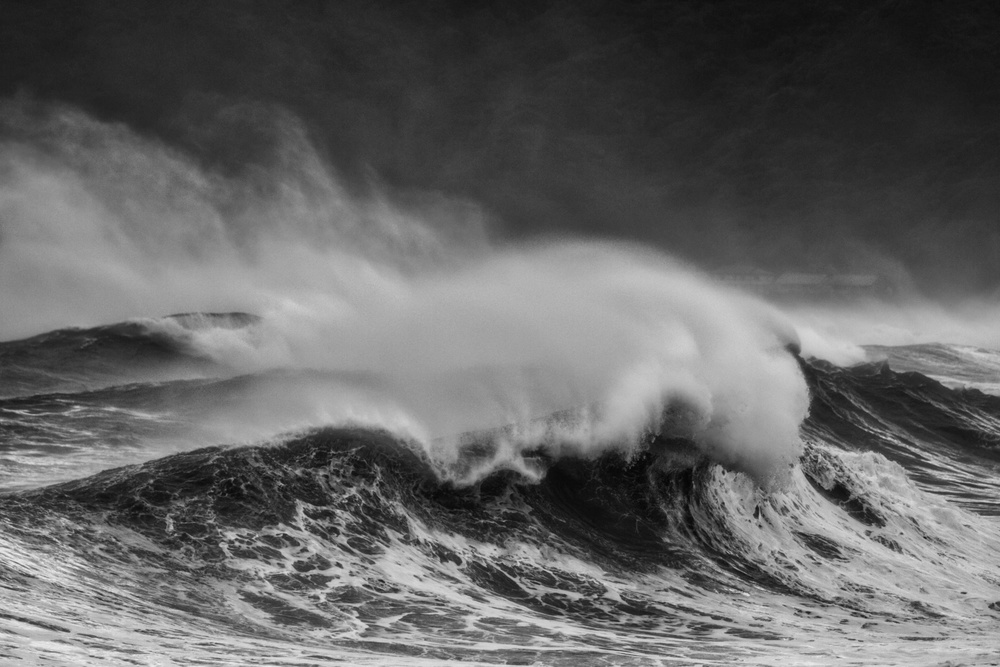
957 366
77 359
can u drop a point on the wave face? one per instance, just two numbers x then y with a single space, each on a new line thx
353 542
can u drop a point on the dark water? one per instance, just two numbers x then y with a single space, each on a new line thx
346 544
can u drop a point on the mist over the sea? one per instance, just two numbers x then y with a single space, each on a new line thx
850 137
455 333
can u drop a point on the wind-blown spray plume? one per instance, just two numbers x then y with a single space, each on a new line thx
419 329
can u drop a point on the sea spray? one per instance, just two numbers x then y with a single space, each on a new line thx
428 331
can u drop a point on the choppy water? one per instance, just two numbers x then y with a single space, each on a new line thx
132 532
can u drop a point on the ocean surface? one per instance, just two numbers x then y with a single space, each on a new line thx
141 523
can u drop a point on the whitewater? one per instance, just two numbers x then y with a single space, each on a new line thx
264 419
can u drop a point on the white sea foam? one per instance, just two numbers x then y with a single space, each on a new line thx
101 225
836 331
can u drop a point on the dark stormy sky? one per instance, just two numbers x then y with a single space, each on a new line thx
849 136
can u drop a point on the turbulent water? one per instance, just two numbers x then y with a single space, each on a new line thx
134 531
